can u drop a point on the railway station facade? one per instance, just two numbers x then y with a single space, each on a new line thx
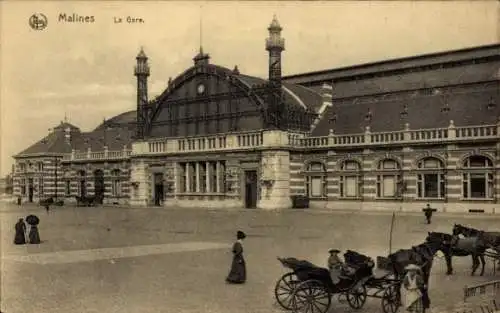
390 135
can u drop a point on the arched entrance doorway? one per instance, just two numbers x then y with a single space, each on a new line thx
158 189
99 186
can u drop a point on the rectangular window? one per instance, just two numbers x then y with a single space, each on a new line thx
192 177
115 188
182 177
315 186
431 186
40 186
213 176
349 186
203 177
478 185
67 188
387 186
23 187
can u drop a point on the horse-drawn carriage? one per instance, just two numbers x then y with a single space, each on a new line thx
309 288
88 200
50 201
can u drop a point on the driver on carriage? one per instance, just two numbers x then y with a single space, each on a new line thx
337 267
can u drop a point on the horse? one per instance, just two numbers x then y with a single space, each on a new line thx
491 239
452 245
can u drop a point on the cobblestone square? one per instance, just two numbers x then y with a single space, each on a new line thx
176 260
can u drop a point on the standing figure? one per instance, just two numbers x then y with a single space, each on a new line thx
47 208
34 236
238 273
411 290
20 238
428 213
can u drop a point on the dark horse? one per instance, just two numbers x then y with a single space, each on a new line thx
491 239
422 256
452 245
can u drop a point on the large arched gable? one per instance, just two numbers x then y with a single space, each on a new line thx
182 105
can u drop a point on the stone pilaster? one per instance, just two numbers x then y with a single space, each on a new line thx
275 172
139 190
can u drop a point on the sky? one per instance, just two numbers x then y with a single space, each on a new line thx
85 70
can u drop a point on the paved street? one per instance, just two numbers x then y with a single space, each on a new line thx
158 260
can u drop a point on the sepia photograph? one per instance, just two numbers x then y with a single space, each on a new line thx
249 156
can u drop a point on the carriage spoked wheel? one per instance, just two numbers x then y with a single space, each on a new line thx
390 299
284 289
356 297
311 296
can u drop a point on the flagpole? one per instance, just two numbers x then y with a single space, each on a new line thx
390 234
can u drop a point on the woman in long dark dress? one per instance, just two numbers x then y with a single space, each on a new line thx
20 238
34 235
238 273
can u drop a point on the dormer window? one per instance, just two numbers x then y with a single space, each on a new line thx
491 104
368 116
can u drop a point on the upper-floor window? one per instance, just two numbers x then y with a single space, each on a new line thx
431 178
477 178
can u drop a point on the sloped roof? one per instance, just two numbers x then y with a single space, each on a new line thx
405 63
114 138
294 94
122 119
466 109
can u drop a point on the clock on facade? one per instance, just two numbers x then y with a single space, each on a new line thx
201 88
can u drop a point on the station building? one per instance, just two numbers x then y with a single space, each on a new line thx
389 135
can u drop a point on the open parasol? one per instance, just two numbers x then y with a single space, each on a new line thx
32 219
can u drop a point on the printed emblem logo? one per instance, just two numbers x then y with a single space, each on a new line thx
38 21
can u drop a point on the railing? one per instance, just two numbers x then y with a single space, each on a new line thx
97 155
491 288
258 139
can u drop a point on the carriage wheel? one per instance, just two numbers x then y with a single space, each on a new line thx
390 299
311 297
356 297
284 290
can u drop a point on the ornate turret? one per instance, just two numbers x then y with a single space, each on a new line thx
275 45
141 71
201 58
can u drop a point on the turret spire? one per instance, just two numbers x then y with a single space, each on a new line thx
275 45
141 71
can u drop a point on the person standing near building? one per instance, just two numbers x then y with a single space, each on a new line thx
238 273
428 213
411 290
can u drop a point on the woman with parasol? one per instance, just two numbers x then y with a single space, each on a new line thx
34 236
411 294
20 238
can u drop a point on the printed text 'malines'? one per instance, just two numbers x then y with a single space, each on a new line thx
75 18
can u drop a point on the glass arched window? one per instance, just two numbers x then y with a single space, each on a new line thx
316 180
115 183
477 178
388 178
431 178
350 179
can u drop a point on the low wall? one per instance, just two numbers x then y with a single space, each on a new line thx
204 204
388 206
